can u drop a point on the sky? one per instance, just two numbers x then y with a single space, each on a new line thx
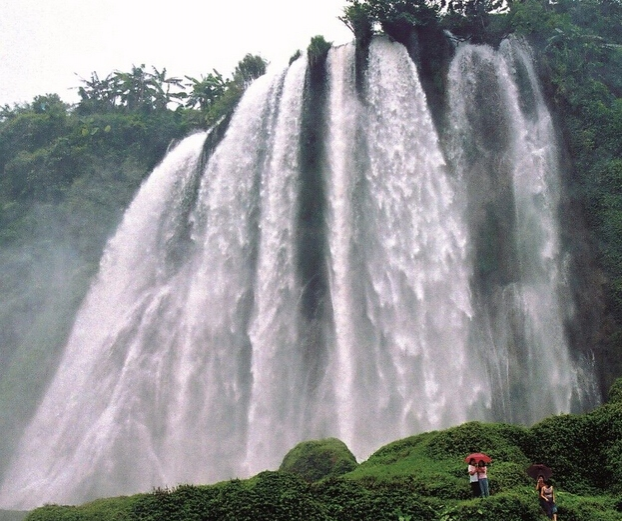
48 46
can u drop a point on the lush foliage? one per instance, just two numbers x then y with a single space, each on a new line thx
102 509
318 459
317 50
419 478
580 49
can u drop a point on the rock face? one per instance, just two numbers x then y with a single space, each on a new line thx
318 459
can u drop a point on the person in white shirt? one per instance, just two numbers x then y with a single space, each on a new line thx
473 478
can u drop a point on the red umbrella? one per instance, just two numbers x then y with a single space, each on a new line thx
478 456
537 469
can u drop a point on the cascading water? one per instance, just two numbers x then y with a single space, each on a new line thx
400 272
277 368
207 346
503 148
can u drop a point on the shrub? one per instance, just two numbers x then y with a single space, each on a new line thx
317 50
511 505
268 496
563 443
584 451
502 442
605 447
615 392
112 509
315 460
575 508
349 500
505 476
399 449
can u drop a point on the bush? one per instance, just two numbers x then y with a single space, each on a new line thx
317 50
268 496
502 442
604 454
575 508
315 460
113 509
406 464
615 392
349 500
505 476
512 505
418 478
565 444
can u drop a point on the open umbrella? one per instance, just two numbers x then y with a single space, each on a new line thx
538 469
478 456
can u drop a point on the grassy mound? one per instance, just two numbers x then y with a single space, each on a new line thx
318 459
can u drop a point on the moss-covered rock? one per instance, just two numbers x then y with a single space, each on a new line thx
317 459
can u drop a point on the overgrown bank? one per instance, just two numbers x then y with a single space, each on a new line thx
420 478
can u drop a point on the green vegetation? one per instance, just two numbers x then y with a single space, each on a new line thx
420 478
318 459
580 52
317 50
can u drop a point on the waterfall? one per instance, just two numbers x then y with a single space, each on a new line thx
277 397
399 258
503 147
207 347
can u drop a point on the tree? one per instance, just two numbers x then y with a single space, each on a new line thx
249 69
131 91
141 90
398 18
162 85
357 18
206 91
97 95
317 50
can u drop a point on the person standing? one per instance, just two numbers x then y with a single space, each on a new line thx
548 494
482 478
539 485
473 478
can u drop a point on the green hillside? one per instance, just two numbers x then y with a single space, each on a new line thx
420 478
